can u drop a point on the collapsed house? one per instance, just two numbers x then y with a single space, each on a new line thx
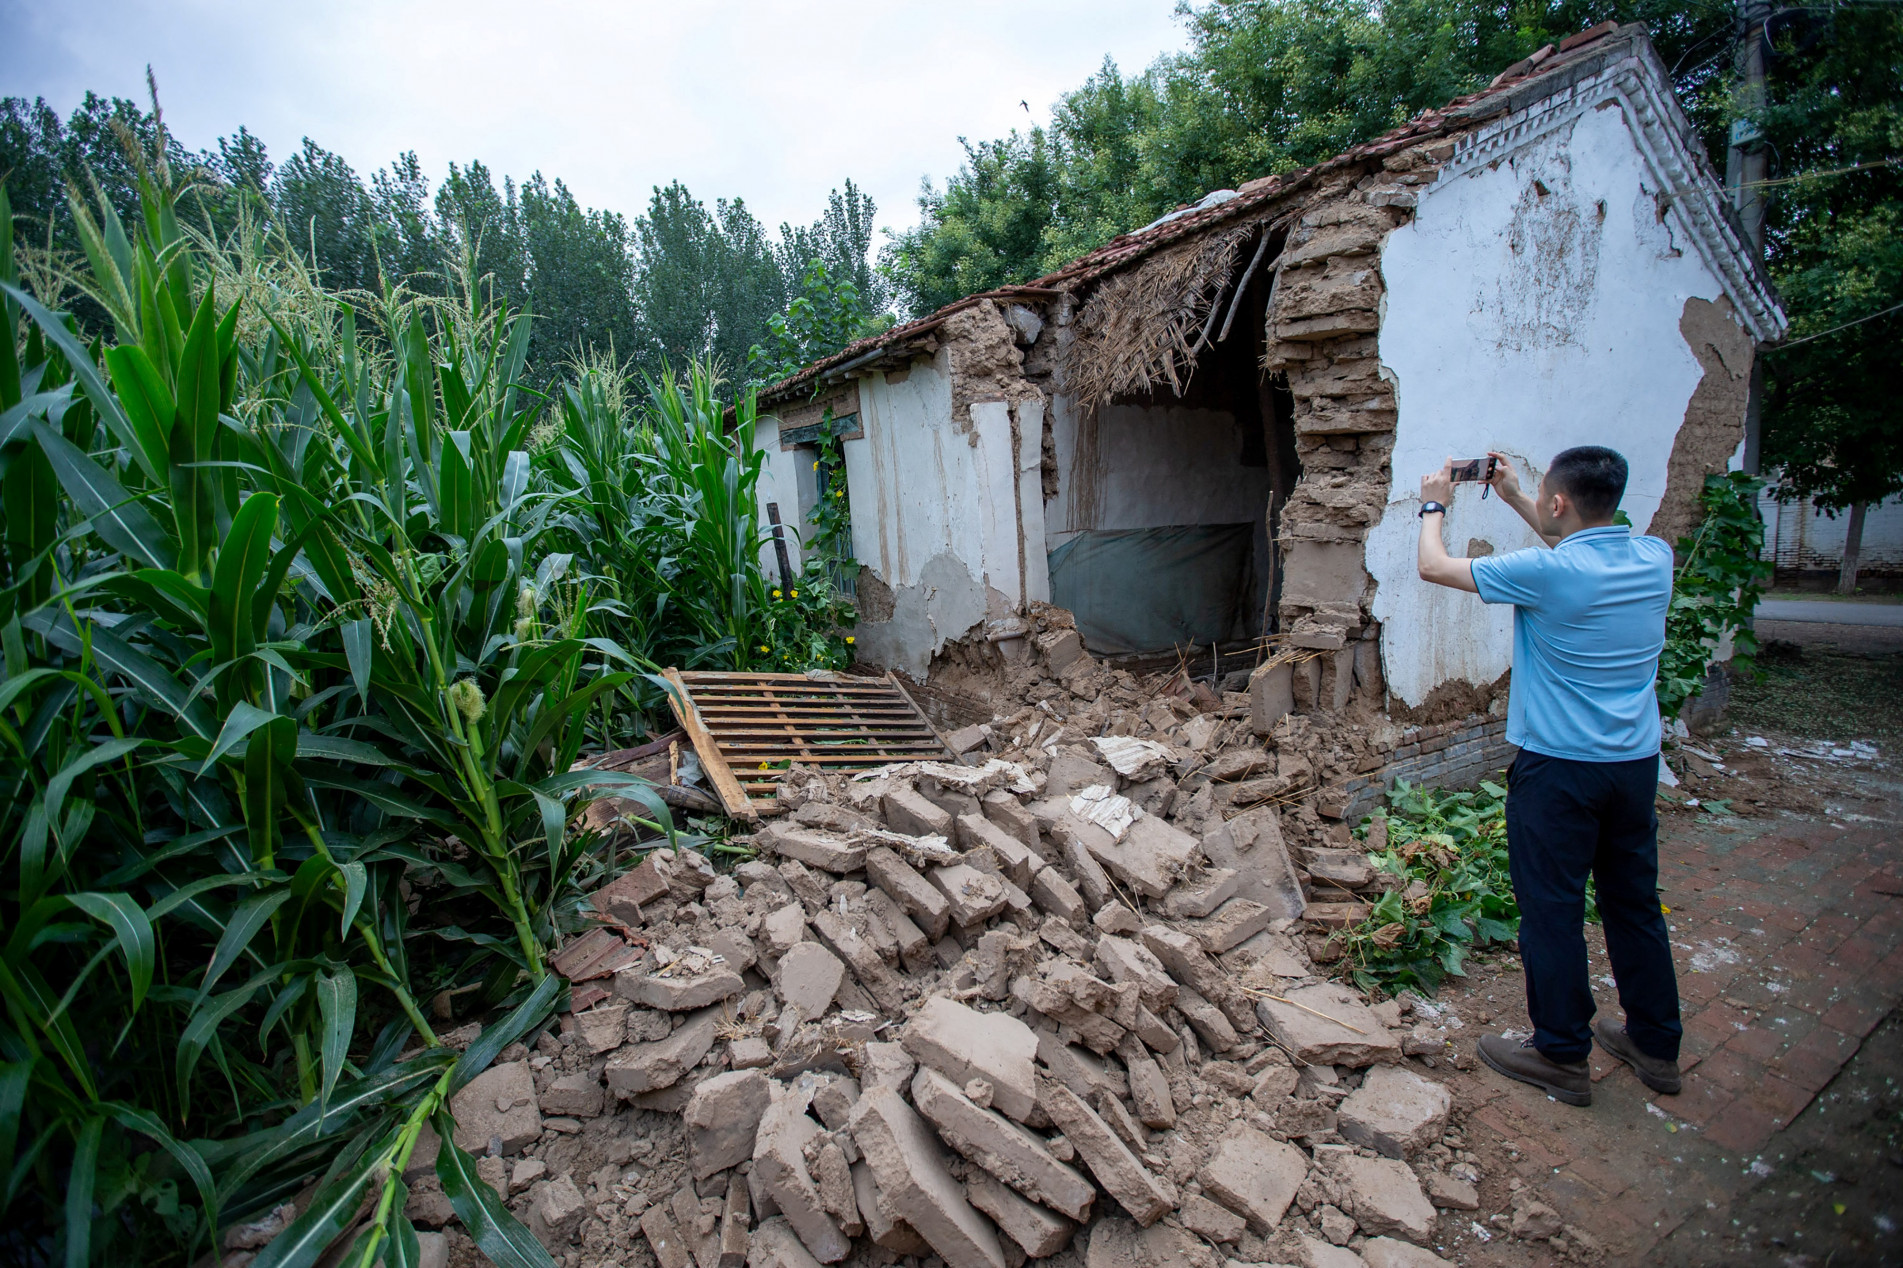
1032 974
1208 431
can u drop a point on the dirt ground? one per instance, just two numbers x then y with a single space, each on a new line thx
1783 876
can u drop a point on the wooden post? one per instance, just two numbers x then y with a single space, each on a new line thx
779 545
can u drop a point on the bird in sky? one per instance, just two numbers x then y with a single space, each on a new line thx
1026 105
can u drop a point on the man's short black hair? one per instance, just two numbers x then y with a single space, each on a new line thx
1593 476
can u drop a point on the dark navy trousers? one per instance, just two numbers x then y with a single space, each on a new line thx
1567 820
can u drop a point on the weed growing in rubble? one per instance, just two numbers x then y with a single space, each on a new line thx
1448 853
1719 580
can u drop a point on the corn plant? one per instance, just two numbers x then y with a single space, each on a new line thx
281 633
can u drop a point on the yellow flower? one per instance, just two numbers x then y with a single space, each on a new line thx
796 594
840 494
764 647
762 765
815 466
849 638
776 594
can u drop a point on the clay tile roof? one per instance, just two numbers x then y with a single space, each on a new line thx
1184 222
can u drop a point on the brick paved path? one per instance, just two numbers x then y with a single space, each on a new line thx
1788 936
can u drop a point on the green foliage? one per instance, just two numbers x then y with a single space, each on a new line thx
1834 125
1448 854
1715 587
824 317
806 624
681 283
308 609
1266 86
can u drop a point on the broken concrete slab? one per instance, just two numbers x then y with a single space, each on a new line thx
1315 1253
1384 1196
1053 893
1071 773
1151 856
975 896
1145 1196
669 1246
1450 1193
814 847
1123 960
1387 1252
623 898
678 994
833 1174
779 1159
1197 896
886 1063
1010 814
1347 1032
1119 1243
648 1067
498 1105
807 978
1038 1233
1234 923
603 1028
722 1119
1395 1112
1207 1219
1254 1175
1149 1087
915 1185
783 927
773 1244
915 896
578 1095
1000 1146
964 1044
1251 845
884 1229
1015 859
907 810
1074 839
555 1214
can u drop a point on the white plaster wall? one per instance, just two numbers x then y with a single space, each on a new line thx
779 483
1154 466
1525 322
934 514
1798 535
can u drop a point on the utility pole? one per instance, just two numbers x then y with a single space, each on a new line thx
1747 164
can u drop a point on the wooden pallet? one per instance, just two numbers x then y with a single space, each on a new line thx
748 728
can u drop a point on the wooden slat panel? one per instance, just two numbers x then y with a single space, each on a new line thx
732 796
738 721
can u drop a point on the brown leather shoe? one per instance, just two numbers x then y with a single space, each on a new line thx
1661 1076
1520 1060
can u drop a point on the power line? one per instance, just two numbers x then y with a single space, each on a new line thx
1834 329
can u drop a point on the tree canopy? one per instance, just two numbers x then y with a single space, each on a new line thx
1266 86
681 282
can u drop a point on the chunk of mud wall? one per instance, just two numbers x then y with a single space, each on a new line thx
940 607
1713 431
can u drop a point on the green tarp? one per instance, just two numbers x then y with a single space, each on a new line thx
1151 589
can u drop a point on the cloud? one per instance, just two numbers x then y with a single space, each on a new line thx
775 103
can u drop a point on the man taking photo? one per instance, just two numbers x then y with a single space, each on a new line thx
1588 625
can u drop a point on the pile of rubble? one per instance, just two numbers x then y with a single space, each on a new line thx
1056 1002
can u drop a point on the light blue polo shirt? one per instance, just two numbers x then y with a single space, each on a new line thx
1588 626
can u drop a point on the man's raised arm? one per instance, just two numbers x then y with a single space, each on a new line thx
1507 485
1435 564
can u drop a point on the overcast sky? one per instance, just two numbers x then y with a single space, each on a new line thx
776 103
